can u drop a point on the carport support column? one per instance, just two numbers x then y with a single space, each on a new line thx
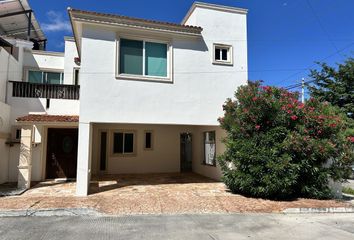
25 161
84 159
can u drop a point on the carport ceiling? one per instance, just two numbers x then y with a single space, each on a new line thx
14 16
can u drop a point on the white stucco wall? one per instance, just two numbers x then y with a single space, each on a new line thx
69 54
3 73
7 67
4 160
43 60
199 87
24 106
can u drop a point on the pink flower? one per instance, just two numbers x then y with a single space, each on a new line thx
301 106
351 139
254 98
258 127
294 117
267 88
332 125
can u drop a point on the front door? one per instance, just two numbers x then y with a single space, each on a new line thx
186 152
62 153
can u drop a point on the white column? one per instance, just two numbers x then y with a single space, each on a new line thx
25 161
20 63
83 175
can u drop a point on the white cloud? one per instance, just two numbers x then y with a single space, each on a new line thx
56 23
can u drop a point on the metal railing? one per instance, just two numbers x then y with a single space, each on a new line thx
42 90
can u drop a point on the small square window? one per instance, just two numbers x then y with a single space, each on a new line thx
222 54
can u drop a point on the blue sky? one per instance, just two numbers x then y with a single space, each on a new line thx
285 37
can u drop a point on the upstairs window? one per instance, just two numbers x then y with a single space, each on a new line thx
35 76
222 54
143 58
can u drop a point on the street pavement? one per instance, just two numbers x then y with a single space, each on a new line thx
205 226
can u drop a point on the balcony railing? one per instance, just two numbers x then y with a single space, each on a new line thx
41 90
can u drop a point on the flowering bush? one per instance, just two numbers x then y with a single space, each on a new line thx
277 147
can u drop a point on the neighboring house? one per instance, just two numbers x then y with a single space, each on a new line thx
150 96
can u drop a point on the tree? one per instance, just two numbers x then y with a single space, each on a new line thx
335 86
279 148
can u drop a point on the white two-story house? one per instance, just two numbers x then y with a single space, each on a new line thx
131 96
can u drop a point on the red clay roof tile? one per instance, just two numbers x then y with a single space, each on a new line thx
48 118
112 17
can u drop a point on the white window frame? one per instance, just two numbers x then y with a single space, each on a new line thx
213 164
143 77
45 70
74 79
123 154
230 54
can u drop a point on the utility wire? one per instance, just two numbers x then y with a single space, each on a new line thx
298 85
314 64
321 25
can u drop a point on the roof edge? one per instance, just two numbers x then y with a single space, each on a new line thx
104 18
212 6
48 53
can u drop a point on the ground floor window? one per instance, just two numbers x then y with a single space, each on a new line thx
123 142
148 140
103 151
209 148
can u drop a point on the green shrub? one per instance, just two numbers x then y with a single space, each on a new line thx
279 148
348 190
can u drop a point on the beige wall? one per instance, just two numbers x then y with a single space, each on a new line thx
4 156
39 154
165 156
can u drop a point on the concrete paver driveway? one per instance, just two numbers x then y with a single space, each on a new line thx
206 226
152 194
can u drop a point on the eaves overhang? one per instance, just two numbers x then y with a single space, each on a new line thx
89 17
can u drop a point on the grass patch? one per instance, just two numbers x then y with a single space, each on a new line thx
348 190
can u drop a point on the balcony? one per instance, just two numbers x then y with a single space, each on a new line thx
41 90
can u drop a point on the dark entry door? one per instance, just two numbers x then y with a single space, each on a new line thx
62 153
186 152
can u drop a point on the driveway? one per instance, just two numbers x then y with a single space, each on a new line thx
153 194
207 226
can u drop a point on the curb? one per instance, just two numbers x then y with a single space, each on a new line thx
58 212
320 210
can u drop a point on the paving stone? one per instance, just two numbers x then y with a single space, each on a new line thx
152 194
